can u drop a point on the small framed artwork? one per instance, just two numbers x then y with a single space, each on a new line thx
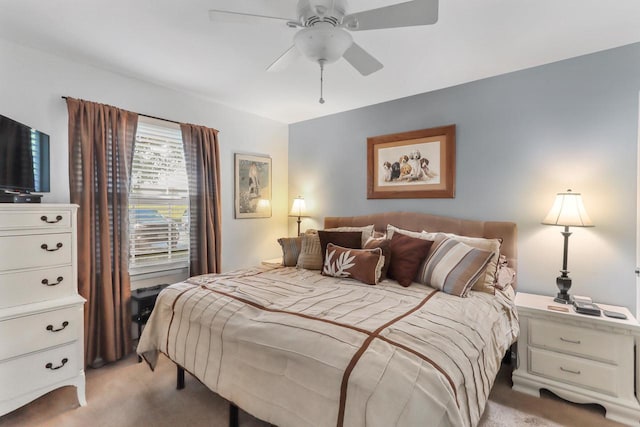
412 165
252 186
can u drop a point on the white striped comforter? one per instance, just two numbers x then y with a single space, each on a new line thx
295 348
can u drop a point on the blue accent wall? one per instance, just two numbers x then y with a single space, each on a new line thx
521 138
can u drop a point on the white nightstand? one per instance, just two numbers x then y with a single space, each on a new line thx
581 358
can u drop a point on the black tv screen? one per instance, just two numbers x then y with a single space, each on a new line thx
24 158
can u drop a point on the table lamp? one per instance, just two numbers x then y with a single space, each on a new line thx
567 211
299 209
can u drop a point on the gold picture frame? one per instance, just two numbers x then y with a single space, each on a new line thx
412 165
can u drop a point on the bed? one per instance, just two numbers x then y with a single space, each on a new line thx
297 348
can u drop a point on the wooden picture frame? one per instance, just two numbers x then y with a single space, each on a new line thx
252 193
412 165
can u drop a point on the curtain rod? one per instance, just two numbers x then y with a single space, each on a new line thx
140 114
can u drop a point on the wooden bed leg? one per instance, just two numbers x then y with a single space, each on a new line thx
233 415
180 377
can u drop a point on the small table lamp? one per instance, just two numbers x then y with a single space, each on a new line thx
567 211
299 209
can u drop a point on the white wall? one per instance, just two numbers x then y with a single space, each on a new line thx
32 83
521 138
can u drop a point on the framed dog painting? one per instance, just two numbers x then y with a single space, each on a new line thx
252 186
412 165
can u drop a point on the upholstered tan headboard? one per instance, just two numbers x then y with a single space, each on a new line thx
504 230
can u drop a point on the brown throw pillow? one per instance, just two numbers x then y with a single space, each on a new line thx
364 265
291 247
383 244
407 253
346 239
367 231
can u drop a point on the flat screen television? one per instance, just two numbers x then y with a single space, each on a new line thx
24 158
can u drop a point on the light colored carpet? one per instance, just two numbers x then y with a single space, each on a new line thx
128 394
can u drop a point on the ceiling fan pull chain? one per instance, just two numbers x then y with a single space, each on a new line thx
321 81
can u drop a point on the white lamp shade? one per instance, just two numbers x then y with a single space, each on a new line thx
299 207
568 210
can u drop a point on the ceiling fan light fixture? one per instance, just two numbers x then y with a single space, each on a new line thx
323 42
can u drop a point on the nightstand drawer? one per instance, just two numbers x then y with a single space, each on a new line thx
597 376
579 341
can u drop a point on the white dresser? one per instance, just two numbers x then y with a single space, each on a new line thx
582 358
41 313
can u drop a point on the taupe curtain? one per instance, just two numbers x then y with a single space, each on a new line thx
101 140
203 169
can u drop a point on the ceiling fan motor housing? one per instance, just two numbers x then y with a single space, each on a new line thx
311 11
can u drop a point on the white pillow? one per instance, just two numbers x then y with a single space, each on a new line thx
417 234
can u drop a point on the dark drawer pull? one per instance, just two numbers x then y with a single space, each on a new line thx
570 341
571 371
46 219
46 281
46 247
64 325
53 368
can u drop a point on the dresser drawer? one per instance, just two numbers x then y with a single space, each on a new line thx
597 376
579 341
28 373
27 287
17 252
36 332
30 219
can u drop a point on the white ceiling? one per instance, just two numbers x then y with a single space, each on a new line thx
173 43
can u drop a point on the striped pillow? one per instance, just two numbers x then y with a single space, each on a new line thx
310 253
291 247
453 267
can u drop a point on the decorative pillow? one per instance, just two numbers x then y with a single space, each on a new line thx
367 232
506 276
407 253
310 254
364 265
391 229
291 247
453 266
383 244
346 239
486 281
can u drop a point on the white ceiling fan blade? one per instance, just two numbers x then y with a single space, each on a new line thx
253 11
361 60
407 14
285 60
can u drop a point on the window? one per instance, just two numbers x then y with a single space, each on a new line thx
158 200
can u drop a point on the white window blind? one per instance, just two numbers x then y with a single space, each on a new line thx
158 200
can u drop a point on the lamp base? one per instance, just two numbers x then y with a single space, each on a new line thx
560 298
564 284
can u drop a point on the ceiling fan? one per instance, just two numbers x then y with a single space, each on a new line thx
325 26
